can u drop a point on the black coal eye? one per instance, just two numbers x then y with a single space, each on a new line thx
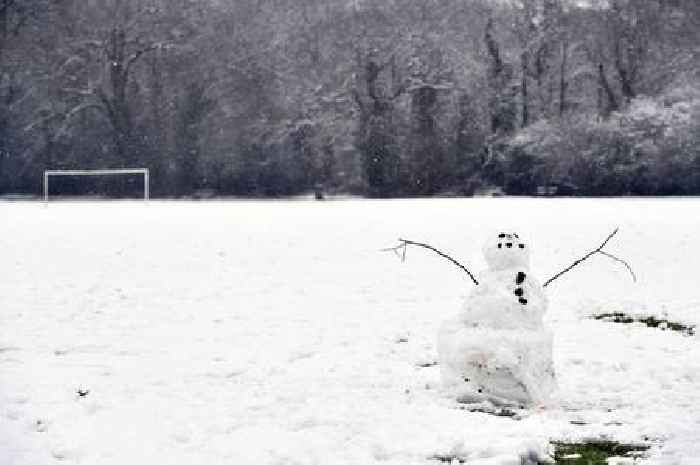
522 246
520 277
500 246
501 236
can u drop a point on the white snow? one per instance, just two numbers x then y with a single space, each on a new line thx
273 332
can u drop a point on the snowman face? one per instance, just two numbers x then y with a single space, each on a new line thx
505 251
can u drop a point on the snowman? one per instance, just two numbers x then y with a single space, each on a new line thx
497 349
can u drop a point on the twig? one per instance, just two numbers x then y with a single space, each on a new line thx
400 251
617 259
590 254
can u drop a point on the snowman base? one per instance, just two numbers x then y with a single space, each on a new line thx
506 368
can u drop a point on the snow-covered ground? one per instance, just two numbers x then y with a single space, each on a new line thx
277 333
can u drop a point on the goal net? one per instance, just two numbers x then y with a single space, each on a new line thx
137 171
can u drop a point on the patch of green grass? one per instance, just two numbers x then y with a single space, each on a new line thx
449 459
614 317
650 321
593 452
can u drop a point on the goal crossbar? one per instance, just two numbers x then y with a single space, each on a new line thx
144 171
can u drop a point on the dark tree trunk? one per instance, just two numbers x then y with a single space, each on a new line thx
563 83
192 112
502 104
427 158
609 103
524 90
377 140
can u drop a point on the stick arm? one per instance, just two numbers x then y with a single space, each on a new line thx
589 255
400 250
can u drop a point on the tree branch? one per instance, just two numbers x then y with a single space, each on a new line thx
139 53
590 254
75 111
77 91
397 93
400 250
111 115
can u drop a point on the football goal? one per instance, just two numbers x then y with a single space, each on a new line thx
142 171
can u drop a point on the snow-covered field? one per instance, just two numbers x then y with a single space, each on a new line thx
277 333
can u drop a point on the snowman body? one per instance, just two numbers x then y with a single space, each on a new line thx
498 348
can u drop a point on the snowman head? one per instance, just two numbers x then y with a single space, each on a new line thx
506 250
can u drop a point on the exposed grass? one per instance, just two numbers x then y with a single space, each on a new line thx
650 321
427 364
498 412
594 452
449 459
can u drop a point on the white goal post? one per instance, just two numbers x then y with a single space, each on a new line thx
143 171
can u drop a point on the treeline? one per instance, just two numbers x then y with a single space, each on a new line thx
377 98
